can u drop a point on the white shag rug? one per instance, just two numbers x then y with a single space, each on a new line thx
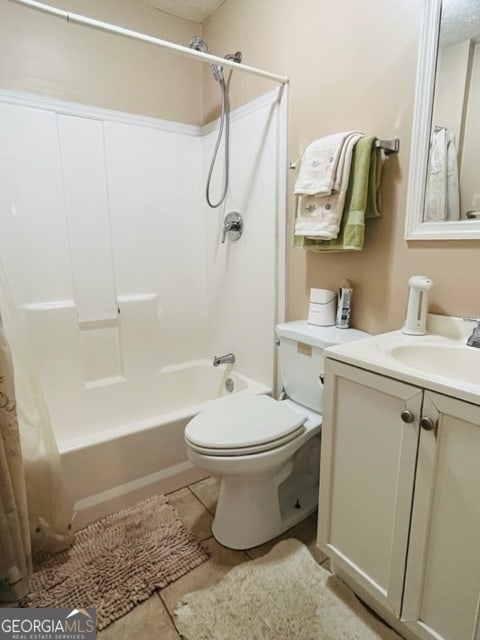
285 595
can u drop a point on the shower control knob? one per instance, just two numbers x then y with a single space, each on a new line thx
233 226
428 424
407 416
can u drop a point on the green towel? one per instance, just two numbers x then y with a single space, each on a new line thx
363 200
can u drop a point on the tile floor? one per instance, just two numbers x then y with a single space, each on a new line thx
153 619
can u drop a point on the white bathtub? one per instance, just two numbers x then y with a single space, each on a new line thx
107 469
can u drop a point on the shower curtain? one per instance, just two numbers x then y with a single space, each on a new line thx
50 509
15 548
34 462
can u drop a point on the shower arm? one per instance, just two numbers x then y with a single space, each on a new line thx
76 18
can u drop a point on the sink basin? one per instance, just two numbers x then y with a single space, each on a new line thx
454 362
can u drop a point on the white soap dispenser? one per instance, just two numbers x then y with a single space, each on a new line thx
416 317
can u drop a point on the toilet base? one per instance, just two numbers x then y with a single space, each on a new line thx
251 511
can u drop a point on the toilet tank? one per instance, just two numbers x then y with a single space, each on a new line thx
300 357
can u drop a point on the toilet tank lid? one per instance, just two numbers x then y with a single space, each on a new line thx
317 336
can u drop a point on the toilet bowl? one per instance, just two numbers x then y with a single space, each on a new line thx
266 452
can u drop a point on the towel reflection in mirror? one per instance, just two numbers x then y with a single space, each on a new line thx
442 195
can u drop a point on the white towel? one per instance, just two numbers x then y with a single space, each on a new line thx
442 191
319 216
322 165
453 189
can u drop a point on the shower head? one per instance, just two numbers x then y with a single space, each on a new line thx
200 45
217 71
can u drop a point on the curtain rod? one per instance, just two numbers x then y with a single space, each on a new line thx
76 18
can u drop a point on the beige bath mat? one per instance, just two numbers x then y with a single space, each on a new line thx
117 562
285 595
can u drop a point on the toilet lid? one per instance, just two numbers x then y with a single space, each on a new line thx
245 425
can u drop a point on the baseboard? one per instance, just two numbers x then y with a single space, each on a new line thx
102 504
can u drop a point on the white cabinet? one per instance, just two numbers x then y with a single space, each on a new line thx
367 472
443 571
399 504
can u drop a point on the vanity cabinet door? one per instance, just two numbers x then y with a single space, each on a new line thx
366 477
443 571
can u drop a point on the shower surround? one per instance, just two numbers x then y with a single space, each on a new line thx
123 288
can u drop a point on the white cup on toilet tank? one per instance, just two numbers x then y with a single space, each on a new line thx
322 308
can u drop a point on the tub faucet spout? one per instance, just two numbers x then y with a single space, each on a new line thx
228 358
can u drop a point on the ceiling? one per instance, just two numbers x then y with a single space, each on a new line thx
460 18
460 21
194 10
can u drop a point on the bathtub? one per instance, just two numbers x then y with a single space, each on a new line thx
112 467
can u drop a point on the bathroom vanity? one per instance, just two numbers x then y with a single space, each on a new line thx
399 507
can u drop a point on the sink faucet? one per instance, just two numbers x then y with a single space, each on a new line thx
474 338
228 358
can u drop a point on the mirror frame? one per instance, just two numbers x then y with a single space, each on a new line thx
415 227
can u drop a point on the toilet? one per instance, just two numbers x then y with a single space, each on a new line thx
266 452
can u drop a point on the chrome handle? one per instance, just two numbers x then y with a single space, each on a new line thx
428 424
321 377
226 227
407 416
233 225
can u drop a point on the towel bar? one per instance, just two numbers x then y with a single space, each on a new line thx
389 147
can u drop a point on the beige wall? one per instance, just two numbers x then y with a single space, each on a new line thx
45 55
351 65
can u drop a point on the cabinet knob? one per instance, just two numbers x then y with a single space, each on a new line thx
428 424
407 416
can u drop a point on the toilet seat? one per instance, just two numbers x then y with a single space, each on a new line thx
244 426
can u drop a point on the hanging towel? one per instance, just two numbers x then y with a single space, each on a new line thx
374 207
436 189
476 633
319 216
363 200
442 200
322 165
453 190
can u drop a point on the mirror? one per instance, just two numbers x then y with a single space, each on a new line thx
443 200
